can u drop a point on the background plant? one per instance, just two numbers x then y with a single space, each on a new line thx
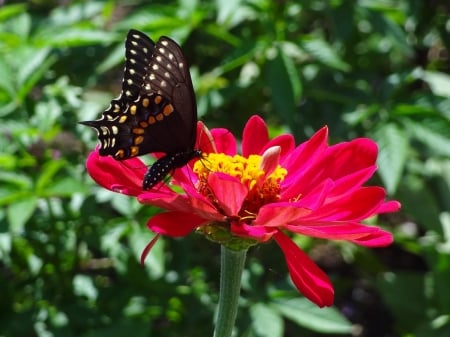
69 251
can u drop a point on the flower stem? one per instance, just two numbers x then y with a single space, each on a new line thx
232 265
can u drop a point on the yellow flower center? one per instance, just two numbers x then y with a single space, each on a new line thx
262 188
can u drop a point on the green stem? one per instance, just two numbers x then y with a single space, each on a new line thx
232 265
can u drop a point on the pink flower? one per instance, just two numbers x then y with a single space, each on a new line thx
271 189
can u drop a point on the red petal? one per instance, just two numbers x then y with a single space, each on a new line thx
259 233
115 175
353 156
279 214
309 279
286 142
359 205
380 238
305 154
229 192
225 141
353 181
174 223
255 136
166 199
300 161
389 206
334 231
148 248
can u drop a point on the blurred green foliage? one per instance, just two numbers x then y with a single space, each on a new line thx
69 251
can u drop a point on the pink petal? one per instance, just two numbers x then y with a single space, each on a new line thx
259 233
389 206
352 156
270 160
315 198
353 181
255 136
359 205
115 175
185 176
279 214
205 140
174 223
334 231
225 141
305 154
300 162
380 238
229 192
205 209
286 143
309 279
166 199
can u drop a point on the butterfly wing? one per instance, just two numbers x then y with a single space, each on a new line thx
169 77
156 110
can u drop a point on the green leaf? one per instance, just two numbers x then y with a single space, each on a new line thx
435 133
48 172
64 187
20 212
438 82
393 148
415 191
155 261
284 83
325 54
7 11
75 37
398 290
266 321
307 314
84 286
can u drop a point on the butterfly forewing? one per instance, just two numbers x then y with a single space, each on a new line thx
156 110
169 76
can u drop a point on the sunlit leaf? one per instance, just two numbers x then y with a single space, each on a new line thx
266 321
393 146
308 315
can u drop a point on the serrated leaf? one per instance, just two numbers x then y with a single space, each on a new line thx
266 322
393 147
36 64
324 53
308 315
434 133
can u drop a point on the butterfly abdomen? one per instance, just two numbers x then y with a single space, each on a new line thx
164 165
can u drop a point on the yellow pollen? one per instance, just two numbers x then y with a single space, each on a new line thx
262 189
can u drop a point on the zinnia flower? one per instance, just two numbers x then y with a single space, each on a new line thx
269 190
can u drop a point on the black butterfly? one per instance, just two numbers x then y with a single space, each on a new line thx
156 110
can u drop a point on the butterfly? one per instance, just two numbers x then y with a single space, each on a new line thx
156 110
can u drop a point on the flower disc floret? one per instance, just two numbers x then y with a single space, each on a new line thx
263 187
